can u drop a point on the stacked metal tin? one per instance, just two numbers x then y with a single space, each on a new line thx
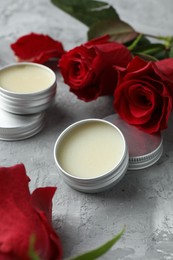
22 113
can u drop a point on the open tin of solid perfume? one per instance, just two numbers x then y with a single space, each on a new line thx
93 155
26 88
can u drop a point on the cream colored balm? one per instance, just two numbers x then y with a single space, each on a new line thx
91 149
26 78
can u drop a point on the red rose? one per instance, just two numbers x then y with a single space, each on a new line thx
23 216
88 69
37 48
143 96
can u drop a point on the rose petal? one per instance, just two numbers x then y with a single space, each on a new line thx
141 99
138 68
14 185
41 199
97 41
37 48
166 67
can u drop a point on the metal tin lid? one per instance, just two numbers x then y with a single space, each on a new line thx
17 127
144 149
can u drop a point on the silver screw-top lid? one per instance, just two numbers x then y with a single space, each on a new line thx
17 127
144 149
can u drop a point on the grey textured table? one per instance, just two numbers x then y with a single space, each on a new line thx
143 199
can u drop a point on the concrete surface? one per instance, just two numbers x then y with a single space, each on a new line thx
143 199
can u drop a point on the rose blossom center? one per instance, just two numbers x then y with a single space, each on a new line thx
142 98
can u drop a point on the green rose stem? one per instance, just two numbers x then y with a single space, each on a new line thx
94 254
168 40
143 48
32 254
135 42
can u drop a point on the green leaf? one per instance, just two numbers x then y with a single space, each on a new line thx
117 29
156 50
87 11
94 254
150 48
171 52
170 49
162 54
145 56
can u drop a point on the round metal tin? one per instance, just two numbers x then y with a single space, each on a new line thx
144 149
28 103
98 183
17 127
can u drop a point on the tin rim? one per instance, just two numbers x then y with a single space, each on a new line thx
106 183
16 94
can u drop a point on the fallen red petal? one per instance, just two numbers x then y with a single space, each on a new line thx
41 199
37 48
